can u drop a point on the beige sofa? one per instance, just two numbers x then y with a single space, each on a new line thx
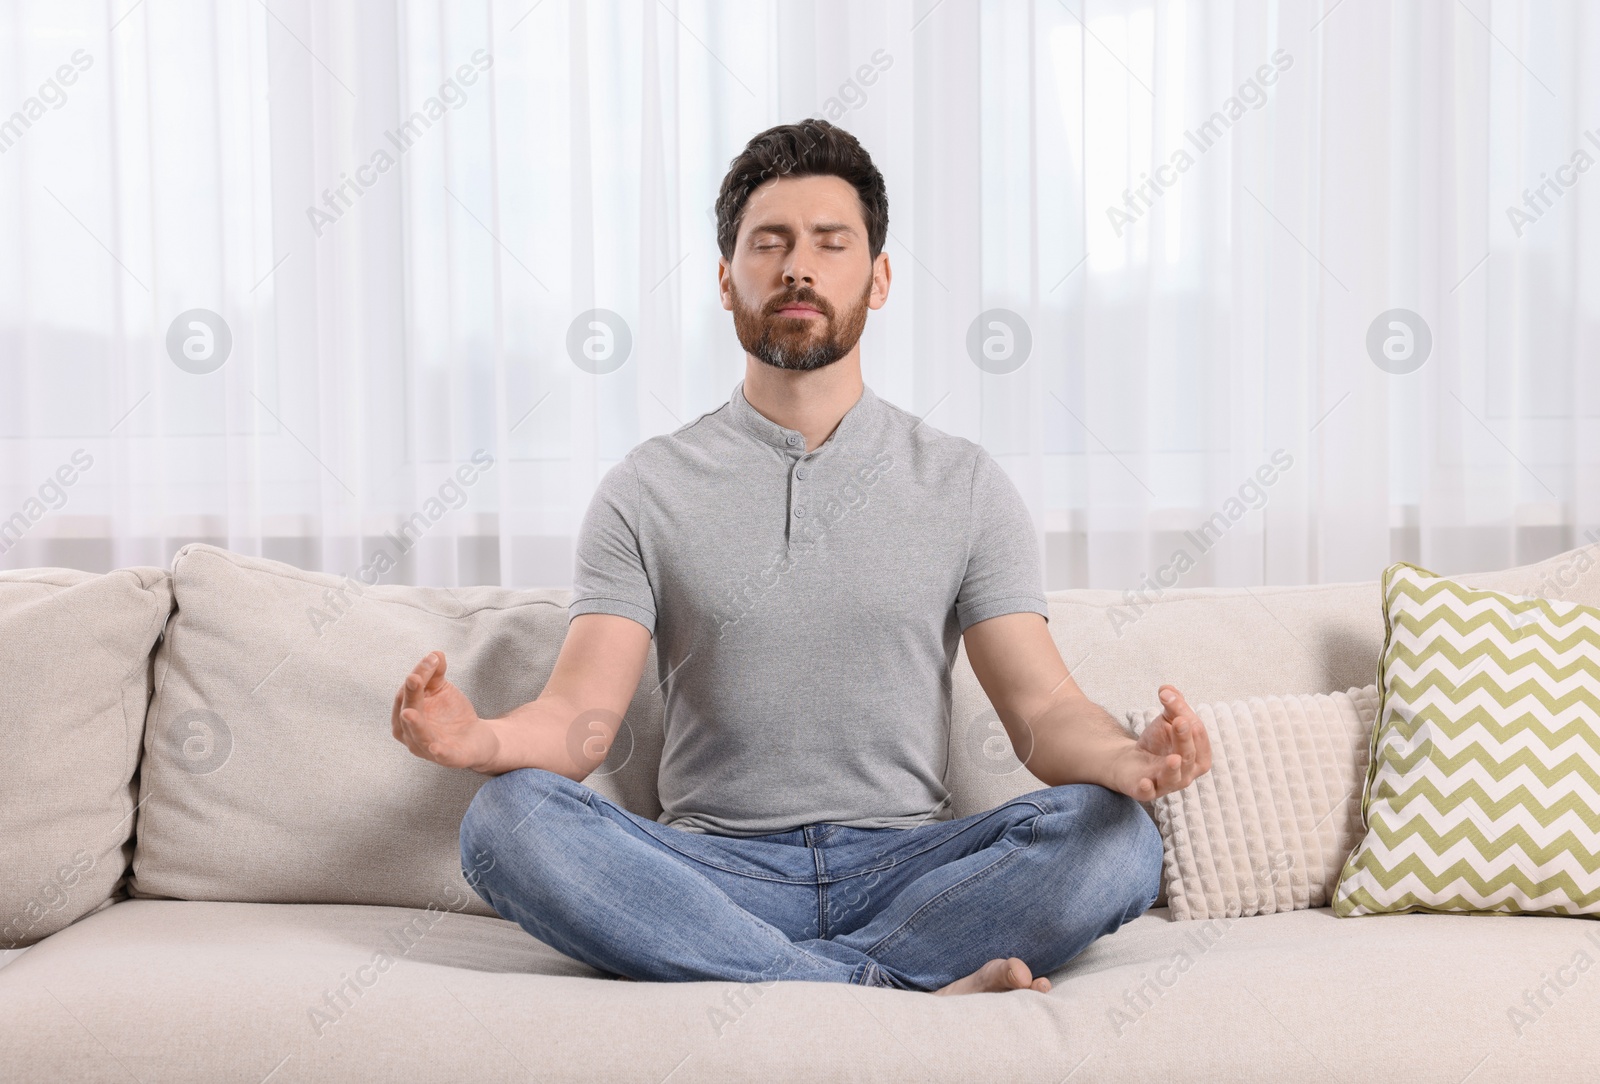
224 868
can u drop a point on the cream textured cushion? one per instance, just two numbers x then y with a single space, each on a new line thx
1483 793
74 681
1269 826
271 773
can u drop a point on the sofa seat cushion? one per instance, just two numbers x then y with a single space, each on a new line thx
181 991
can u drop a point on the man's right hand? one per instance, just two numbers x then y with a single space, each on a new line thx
437 722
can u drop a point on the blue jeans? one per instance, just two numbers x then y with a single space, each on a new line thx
1039 877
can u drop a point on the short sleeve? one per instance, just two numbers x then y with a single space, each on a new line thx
609 575
1002 574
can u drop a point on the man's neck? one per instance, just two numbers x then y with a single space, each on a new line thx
811 402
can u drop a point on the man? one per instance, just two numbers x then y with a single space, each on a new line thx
806 557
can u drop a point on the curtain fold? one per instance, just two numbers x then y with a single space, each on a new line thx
1239 292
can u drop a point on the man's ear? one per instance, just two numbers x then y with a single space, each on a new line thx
880 282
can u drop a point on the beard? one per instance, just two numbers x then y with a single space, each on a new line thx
799 343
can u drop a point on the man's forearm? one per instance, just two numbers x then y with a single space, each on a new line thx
1073 741
546 733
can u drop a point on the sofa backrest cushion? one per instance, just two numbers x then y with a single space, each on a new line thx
271 773
74 682
1215 644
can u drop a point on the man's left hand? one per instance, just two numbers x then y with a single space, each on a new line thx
1172 752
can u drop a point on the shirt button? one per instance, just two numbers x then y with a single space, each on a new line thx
799 510
799 472
793 440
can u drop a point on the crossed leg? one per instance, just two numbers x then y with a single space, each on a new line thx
951 906
1058 868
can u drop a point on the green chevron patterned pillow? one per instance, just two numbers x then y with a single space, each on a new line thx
1483 781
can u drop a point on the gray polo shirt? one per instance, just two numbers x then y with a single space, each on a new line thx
806 607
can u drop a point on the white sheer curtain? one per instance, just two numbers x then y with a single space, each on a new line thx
403 294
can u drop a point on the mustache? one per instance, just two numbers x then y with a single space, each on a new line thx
801 297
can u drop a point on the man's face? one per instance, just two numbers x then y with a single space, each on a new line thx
802 280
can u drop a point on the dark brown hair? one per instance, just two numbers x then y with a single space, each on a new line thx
811 148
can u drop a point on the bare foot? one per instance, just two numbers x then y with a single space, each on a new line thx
997 976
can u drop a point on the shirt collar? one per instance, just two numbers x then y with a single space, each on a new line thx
793 441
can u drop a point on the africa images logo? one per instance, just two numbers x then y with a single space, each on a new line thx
1251 94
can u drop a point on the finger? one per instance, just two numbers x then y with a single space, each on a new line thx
1171 711
1170 698
1201 761
419 739
394 713
410 724
1185 728
1183 719
1162 774
1174 706
1173 741
416 680
436 681
418 731
1152 787
408 733
1159 776
1161 771
1202 758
